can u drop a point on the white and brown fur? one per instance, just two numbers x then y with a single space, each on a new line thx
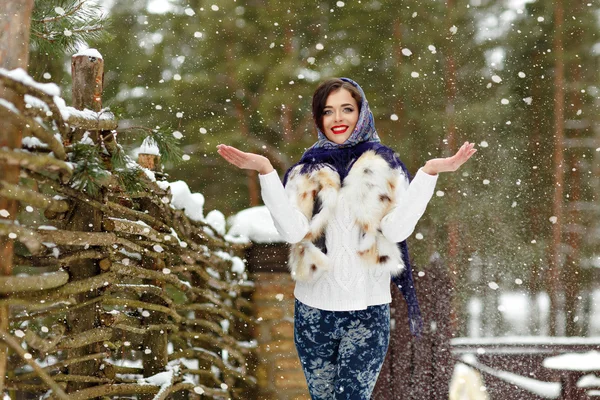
370 187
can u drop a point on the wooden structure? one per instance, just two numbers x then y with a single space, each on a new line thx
117 292
503 362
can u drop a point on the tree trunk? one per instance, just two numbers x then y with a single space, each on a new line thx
573 272
553 276
15 20
452 225
535 219
87 93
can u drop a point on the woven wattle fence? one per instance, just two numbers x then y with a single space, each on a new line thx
112 292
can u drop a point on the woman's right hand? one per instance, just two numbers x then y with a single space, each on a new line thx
245 160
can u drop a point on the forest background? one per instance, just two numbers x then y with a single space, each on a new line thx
519 78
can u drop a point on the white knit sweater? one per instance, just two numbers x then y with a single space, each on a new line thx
348 285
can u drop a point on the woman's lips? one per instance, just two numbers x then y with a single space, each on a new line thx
338 130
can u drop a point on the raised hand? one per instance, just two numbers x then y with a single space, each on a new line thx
450 164
245 160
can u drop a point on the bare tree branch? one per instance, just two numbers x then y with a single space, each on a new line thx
12 342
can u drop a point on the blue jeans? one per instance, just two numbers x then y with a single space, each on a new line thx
341 352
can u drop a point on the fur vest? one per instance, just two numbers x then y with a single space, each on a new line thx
371 185
368 173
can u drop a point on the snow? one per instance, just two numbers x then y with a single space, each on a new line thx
255 224
589 361
589 381
526 340
89 52
216 219
184 199
149 146
547 390
237 265
33 142
137 256
517 308
20 75
47 227
67 111
10 106
160 379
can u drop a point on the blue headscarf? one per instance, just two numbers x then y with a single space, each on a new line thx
363 132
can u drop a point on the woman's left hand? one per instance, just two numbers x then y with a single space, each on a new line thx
449 164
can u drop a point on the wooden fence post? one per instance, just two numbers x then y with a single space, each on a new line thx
87 93
15 20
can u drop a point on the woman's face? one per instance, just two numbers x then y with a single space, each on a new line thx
340 116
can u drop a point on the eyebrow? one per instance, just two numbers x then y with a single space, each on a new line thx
343 105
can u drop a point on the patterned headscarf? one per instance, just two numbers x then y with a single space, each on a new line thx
363 132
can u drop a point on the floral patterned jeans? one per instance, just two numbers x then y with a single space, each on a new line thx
341 351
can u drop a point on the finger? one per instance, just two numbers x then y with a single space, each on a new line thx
232 152
227 157
230 157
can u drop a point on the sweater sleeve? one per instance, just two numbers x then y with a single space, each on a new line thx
411 201
291 224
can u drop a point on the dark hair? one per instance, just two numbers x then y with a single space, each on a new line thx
319 100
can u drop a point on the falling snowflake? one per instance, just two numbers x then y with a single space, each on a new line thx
406 52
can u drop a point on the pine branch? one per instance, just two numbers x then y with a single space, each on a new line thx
169 148
80 22
89 169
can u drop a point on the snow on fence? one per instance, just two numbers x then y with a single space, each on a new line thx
112 292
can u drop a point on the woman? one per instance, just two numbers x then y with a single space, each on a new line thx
347 208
